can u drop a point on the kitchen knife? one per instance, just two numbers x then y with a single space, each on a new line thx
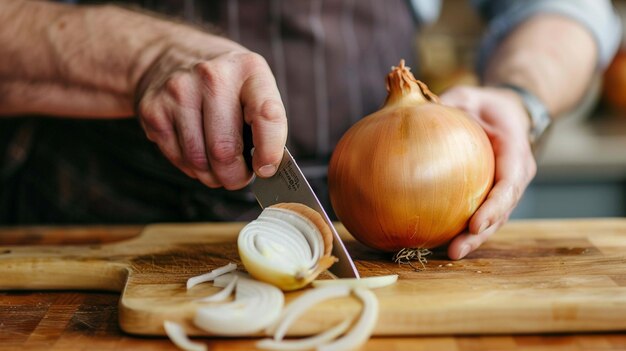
290 185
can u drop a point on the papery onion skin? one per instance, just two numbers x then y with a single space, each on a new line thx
411 174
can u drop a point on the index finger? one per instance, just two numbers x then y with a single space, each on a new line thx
515 168
265 113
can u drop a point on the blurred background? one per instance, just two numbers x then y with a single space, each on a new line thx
582 166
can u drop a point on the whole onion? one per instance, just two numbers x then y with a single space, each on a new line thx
411 174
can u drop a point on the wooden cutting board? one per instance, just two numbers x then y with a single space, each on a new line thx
531 277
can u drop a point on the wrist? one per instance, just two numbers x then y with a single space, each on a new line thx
538 115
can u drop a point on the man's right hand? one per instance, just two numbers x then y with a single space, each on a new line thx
193 90
193 100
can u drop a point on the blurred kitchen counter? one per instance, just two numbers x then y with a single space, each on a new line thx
592 149
581 170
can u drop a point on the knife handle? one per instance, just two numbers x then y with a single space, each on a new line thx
248 146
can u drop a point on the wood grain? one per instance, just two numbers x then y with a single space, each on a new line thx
552 276
77 321
71 320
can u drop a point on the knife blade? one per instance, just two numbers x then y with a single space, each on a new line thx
290 185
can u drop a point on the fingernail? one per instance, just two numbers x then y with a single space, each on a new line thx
465 249
267 170
483 227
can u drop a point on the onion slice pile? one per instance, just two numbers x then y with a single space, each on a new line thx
256 306
287 246
177 334
223 294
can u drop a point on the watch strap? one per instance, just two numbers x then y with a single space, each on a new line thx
540 119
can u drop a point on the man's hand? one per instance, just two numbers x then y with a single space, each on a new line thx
193 104
502 115
193 90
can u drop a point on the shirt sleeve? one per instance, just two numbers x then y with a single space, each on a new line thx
598 16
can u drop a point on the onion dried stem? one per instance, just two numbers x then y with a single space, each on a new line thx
408 255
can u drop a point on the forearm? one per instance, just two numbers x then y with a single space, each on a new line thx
79 60
550 55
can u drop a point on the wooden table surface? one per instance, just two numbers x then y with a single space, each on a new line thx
70 320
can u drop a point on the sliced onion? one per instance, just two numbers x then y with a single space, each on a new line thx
179 337
359 334
367 282
223 294
256 306
207 277
288 246
301 304
306 343
223 280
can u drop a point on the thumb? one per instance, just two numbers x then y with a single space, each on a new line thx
265 113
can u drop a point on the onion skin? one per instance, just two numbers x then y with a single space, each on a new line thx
411 174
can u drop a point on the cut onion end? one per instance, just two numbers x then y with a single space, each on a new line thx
257 305
179 337
366 282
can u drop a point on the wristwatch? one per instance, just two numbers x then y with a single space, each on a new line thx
540 120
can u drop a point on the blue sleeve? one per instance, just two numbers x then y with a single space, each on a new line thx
598 16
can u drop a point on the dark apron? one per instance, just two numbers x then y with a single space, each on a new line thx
329 57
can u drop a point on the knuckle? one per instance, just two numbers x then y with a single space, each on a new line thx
272 111
245 59
209 74
251 59
156 127
225 150
146 109
178 86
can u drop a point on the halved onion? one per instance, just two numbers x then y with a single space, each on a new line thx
288 246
